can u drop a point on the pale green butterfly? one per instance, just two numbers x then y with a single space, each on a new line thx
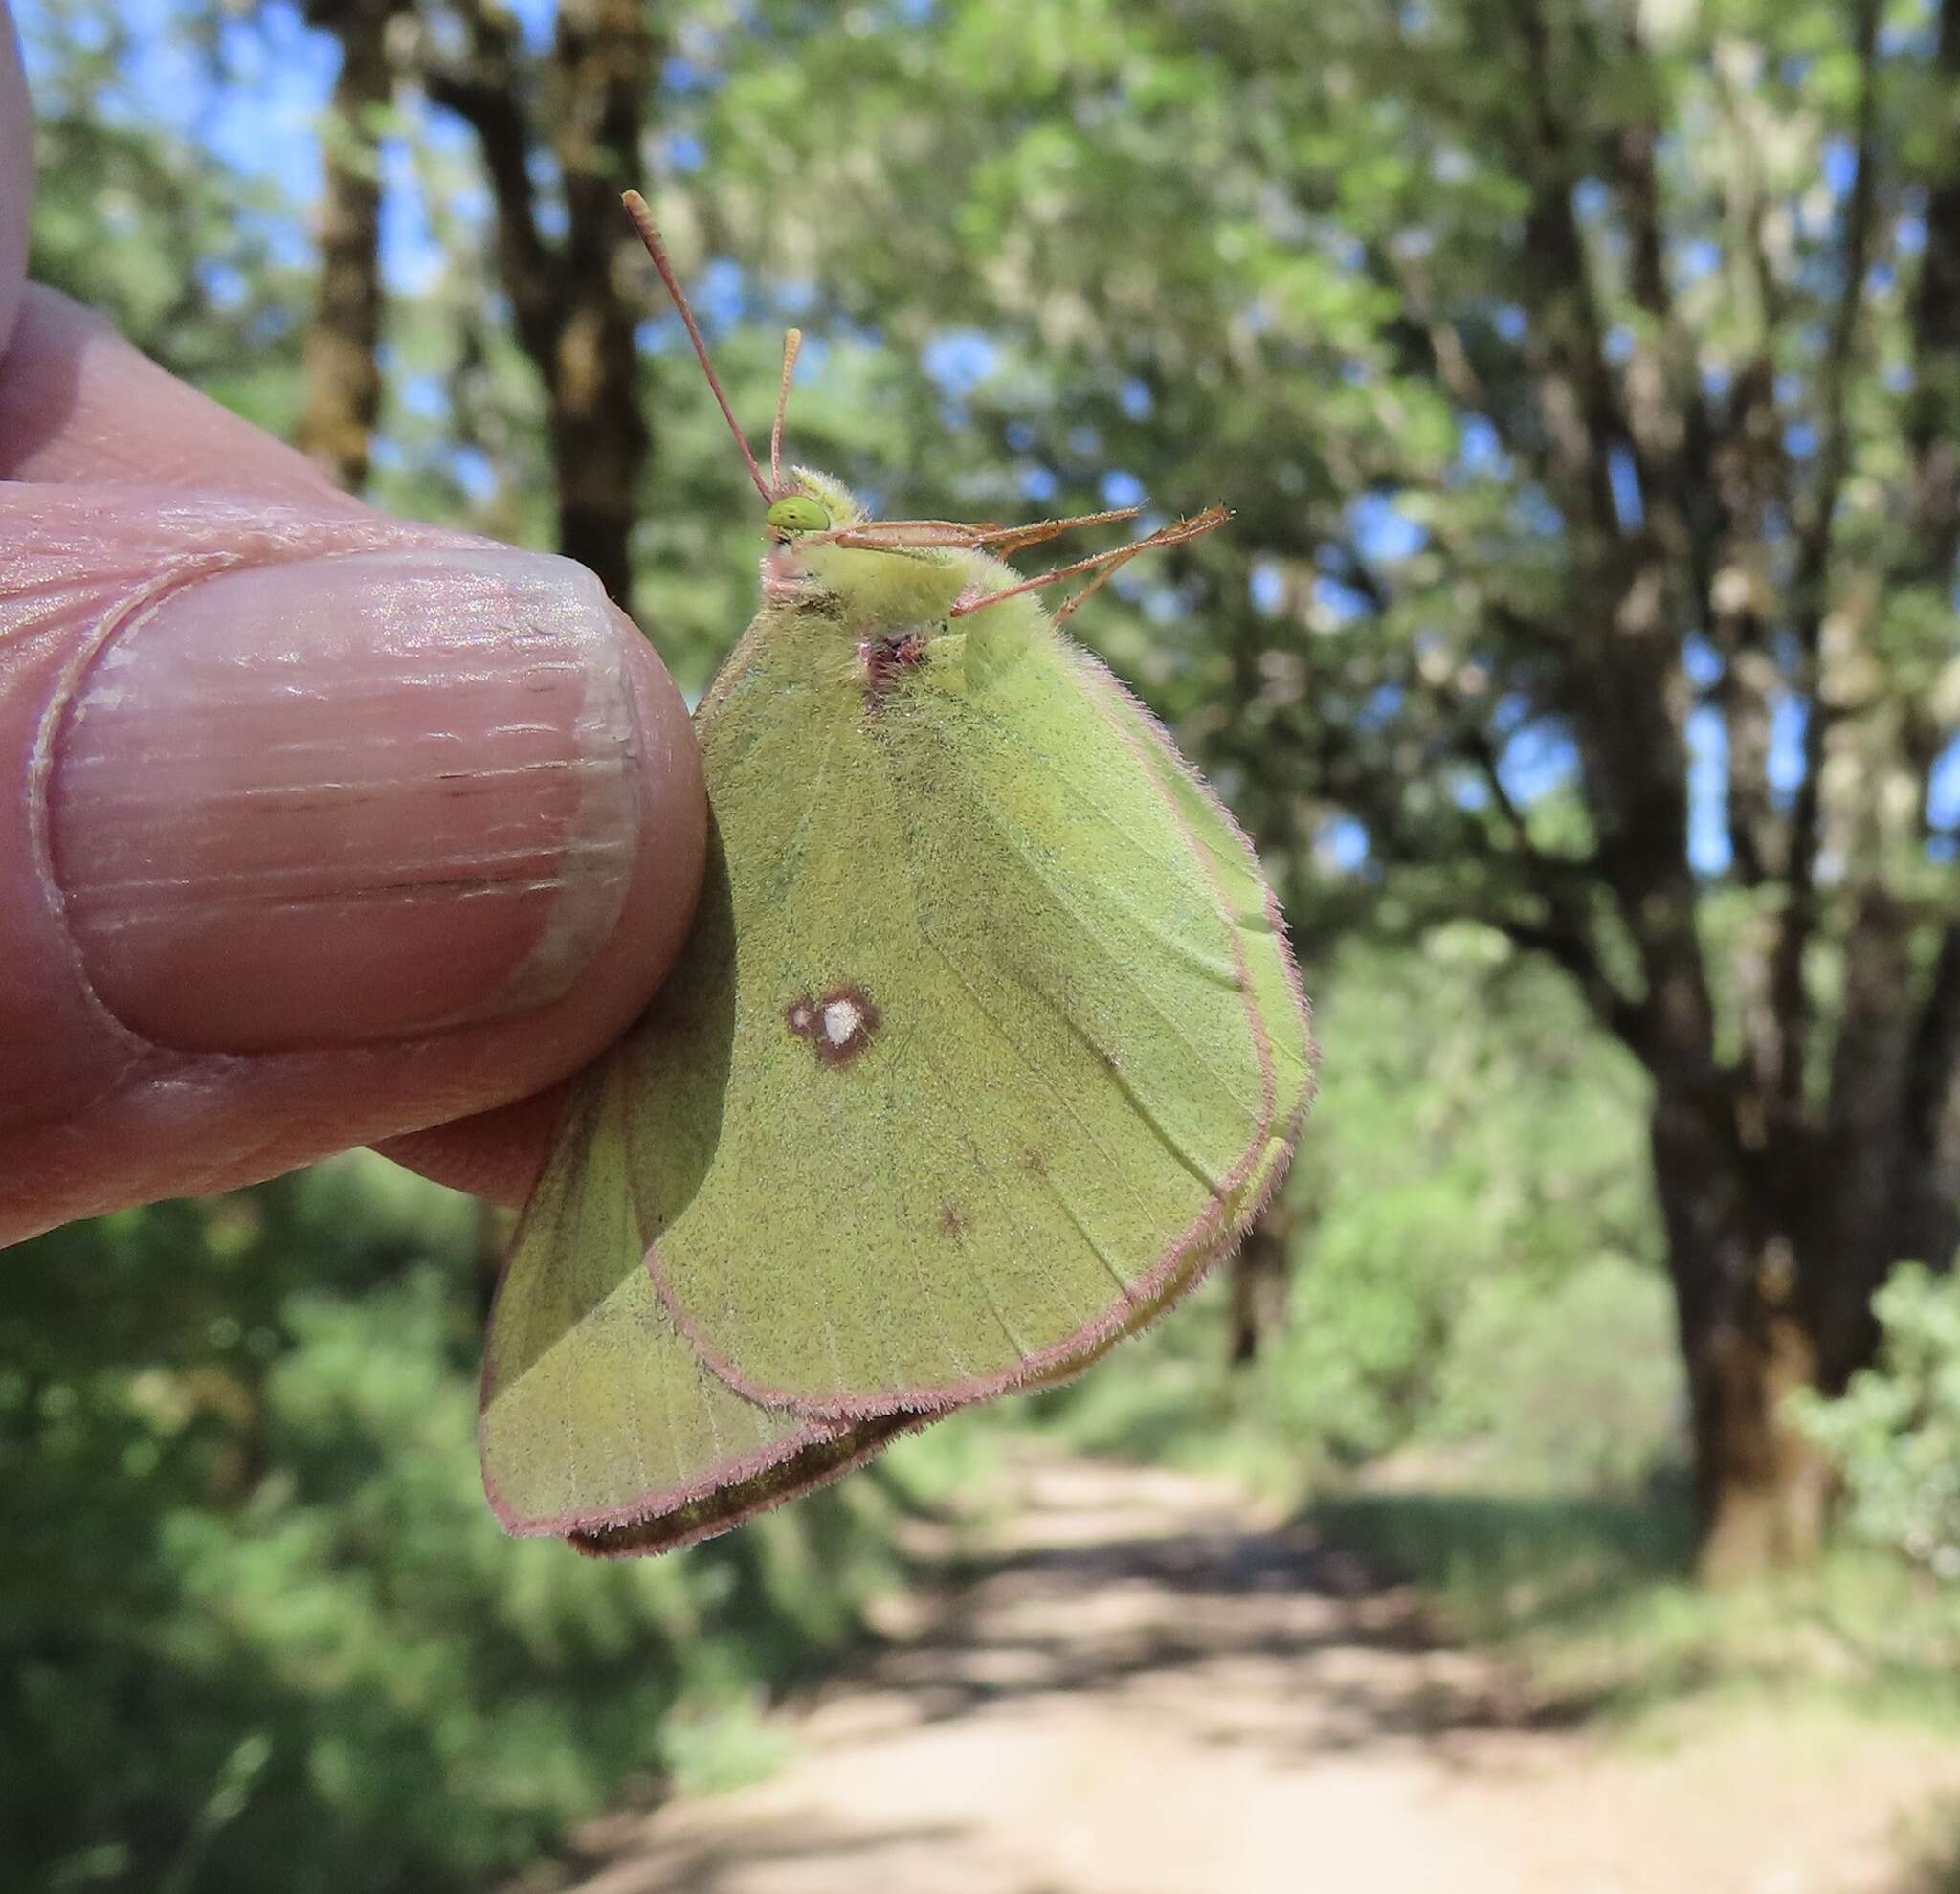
986 1044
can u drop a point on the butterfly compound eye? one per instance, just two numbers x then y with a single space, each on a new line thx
797 513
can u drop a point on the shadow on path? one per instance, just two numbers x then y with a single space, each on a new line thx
1142 1689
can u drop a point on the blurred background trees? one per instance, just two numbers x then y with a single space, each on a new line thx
1584 377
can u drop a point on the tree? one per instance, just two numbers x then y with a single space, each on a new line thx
342 362
1585 376
560 135
140 219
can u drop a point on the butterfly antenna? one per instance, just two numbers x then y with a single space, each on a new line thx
650 236
1105 565
793 340
908 535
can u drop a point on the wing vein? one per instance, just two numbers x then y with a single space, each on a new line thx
1007 1039
980 1164
1213 965
1198 1056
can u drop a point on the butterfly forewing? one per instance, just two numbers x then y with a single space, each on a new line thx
994 1072
985 1043
1272 977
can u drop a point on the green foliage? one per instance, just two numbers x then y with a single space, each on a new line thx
1591 1596
1576 1383
1475 1261
253 1591
1458 1177
1503 1566
725 1746
1895 1431
186 256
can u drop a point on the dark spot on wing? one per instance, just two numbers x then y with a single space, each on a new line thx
839 1024
952 1219
1033 1163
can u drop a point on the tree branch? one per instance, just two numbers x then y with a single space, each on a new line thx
484 90
573 309
1564 936
1666 405
1626 1019
1577 399
1810 589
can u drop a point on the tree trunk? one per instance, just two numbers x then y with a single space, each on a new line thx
575 300
604 62
342 376
1762 1489
1259 1288
599 438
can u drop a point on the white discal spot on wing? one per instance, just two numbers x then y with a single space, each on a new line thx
838 1025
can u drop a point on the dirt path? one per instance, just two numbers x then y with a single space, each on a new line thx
1149 1690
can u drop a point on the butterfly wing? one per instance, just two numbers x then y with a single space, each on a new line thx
598 1422
1254 910
994 1048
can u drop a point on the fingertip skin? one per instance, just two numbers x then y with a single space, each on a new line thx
661 901
133 1077
500 1153
80 406
153 1044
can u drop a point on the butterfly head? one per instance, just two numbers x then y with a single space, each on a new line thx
793 515
825 551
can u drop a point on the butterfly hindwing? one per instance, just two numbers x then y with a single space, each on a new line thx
598 1420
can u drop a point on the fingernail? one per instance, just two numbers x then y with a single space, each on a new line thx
348 799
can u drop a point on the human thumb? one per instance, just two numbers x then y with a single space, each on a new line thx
321 827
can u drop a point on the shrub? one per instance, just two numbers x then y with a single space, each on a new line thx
1895 1431
1575 1384
253 1593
